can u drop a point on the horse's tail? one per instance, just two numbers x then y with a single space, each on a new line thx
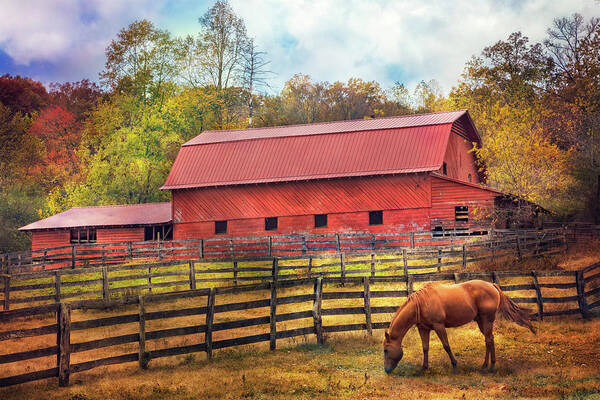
510 310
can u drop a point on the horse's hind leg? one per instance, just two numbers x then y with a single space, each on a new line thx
487 347
441 332
486 325
424 332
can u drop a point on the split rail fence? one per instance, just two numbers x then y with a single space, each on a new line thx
109 281
71 340
231 247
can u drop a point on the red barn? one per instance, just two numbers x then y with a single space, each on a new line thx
398 174
104 224
406 173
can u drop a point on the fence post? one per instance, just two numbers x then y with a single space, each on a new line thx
372 242
210 316
160 248
44 259
519 256
342 268
456 278
372 264
64 344
235 273
201 248
192 276
149 272
270 245
57 286
409 285
310 261
367 302
73 256
304 244
275 270
273 317
439 261
337 242
412 240
405 262
464 256
495 278
231 248
130 250
143 355
103 256
105 292
316 311
538 295
580 282
7 291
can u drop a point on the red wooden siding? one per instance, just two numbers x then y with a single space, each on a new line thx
409 220
50 238
460 162
301 198
447 194
114 235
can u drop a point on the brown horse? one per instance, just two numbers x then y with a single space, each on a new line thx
437 307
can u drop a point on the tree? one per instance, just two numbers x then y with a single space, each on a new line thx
224 41
22 95
79 98
254 73
141 61
59 134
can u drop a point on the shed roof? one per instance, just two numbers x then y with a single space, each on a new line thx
402 144
129 214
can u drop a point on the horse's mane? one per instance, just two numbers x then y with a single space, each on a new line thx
418 298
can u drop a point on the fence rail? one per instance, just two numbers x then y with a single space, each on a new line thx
93 254
310 306
107 281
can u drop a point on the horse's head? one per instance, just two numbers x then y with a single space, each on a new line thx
392 353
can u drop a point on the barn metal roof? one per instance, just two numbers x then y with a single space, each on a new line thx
130 214
403 144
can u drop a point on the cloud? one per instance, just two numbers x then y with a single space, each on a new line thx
384 40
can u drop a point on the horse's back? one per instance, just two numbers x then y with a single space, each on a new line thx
456 305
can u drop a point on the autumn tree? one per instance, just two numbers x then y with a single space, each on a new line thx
141 61
224 41
254 74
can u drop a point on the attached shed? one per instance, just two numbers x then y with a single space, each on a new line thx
104 224
397 174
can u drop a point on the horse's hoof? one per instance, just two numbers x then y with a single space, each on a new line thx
422 371
483 370
454 370
492 370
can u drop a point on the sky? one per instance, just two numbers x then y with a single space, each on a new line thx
383 40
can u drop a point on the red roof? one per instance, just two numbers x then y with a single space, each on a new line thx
403 144
130 214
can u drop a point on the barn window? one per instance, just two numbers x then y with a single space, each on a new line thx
375 217
86 235
220 227
271 224
320 220
461 214
438 231
445 169
158 232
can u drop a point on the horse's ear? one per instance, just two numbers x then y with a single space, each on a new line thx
387 335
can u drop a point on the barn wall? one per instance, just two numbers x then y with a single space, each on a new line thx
332 196
445 195
113 235
50 238
409 220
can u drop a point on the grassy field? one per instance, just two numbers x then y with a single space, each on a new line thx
560 362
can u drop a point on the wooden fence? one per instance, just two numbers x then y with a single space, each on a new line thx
310 306
107 281
231 247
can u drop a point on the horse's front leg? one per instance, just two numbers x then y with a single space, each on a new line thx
440 330
424 332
